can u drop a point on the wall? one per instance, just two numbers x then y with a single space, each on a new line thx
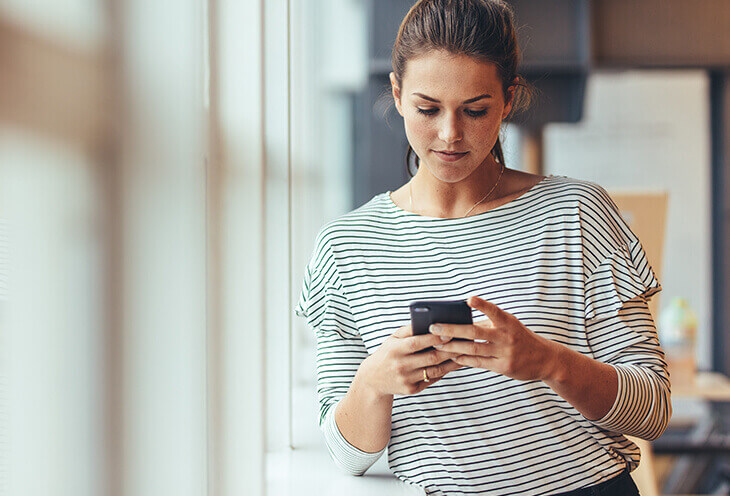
650 130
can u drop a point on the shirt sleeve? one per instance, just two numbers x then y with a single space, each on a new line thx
619 326
615 266
628 342
340 351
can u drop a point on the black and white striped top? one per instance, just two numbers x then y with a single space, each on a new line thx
562 260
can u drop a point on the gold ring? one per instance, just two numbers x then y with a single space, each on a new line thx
425 376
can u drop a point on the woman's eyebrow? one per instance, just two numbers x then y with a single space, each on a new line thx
470 100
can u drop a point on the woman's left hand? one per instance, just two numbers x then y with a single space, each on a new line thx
510 349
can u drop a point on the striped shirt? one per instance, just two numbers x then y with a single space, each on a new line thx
564 262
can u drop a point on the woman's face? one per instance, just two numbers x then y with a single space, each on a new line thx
451 103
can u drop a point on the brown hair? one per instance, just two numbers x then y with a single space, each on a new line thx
478 28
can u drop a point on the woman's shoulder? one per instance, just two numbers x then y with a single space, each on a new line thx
557 186
585 193
600 216
574 184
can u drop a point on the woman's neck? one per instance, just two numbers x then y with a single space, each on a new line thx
435 198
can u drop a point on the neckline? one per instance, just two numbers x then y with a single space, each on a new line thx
527 193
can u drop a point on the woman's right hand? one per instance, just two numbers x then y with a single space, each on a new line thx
396 367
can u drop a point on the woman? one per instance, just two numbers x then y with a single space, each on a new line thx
565 361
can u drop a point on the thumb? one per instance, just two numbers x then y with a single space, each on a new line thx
495 314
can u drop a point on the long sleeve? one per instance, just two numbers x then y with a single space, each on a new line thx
340 351
628 342
618 281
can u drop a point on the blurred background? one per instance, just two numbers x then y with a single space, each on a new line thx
165 167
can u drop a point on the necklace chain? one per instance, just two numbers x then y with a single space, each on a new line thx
410 192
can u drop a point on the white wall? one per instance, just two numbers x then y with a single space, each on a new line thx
650 130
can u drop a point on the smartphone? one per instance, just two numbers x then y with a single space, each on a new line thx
427 312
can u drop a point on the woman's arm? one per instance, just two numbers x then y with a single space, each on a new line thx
363 416
626 393
631 395
356 394
643 401
587 384
339 356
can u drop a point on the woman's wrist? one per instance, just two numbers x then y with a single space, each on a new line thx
364 385
587 384
555 363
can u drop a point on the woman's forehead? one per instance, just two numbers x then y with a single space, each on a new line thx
452 76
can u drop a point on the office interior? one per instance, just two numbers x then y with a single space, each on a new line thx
165 167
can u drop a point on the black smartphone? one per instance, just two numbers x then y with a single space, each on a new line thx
427 312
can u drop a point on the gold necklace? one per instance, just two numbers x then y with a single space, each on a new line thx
410 192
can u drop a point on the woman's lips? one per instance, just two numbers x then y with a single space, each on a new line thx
450 157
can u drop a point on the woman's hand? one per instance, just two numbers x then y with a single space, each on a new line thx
510 349
396 367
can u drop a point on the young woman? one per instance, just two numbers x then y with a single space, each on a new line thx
564 359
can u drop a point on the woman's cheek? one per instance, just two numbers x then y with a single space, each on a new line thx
418 134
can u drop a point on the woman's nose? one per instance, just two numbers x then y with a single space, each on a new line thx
450 131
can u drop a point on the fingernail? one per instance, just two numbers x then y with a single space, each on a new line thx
435 328
445 338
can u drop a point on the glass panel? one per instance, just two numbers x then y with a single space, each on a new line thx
328 69
51 321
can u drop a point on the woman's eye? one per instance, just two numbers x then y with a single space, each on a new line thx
475 113
470 113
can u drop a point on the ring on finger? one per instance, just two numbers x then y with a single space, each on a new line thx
425 376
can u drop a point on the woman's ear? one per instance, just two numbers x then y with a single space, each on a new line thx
510 98
396 93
